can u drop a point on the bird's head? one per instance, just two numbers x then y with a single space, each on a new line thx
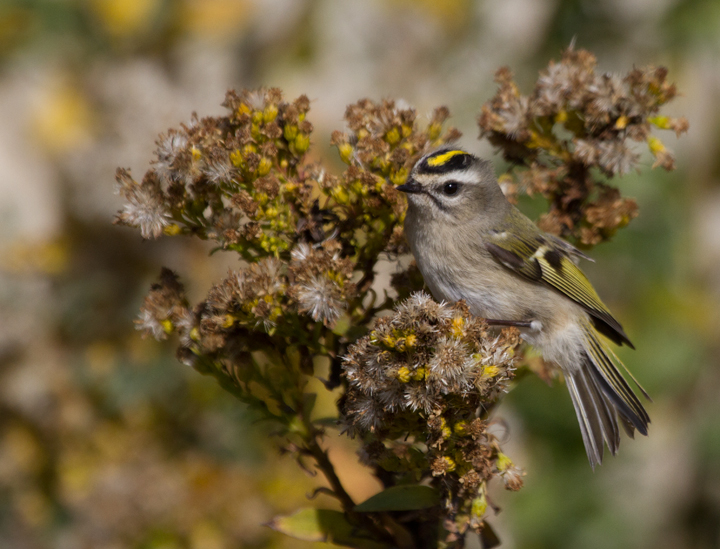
452 185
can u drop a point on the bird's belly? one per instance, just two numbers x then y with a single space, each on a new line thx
483 303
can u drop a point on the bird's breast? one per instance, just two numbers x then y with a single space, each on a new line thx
451 275
456 265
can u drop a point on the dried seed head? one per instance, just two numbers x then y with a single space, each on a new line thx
421 376
606 115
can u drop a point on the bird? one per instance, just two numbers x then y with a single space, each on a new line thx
470 243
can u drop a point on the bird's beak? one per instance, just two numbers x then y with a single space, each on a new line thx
410 186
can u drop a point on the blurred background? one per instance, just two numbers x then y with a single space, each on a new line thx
106 441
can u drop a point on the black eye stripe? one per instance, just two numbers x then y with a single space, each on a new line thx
437 202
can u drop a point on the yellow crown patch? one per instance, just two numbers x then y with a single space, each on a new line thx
443 158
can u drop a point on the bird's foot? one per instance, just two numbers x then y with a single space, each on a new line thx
532 324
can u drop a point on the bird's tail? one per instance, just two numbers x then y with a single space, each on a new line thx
602 398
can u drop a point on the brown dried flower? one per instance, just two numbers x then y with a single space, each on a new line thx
164 307
420 378
321 280
574 122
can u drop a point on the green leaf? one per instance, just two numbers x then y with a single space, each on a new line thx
401 498
324 525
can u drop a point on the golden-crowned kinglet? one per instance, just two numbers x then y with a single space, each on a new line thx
470 243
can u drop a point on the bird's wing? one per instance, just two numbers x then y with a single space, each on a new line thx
547 259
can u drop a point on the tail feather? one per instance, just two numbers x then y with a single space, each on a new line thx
603 400
607 414
612 382
628 427
588 420
629 373
596 415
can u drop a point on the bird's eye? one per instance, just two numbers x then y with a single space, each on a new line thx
451 188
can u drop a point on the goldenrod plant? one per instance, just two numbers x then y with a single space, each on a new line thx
419 380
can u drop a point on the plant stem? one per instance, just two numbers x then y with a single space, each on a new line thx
322 461
325 465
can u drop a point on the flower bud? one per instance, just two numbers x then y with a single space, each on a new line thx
403 374
393 136
264 166
172 230
167 325
479 506
346 152
302 143
340 195
270 113
290 132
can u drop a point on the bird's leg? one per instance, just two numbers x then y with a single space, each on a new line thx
515 323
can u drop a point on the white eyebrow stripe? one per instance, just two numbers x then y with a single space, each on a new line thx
467 177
